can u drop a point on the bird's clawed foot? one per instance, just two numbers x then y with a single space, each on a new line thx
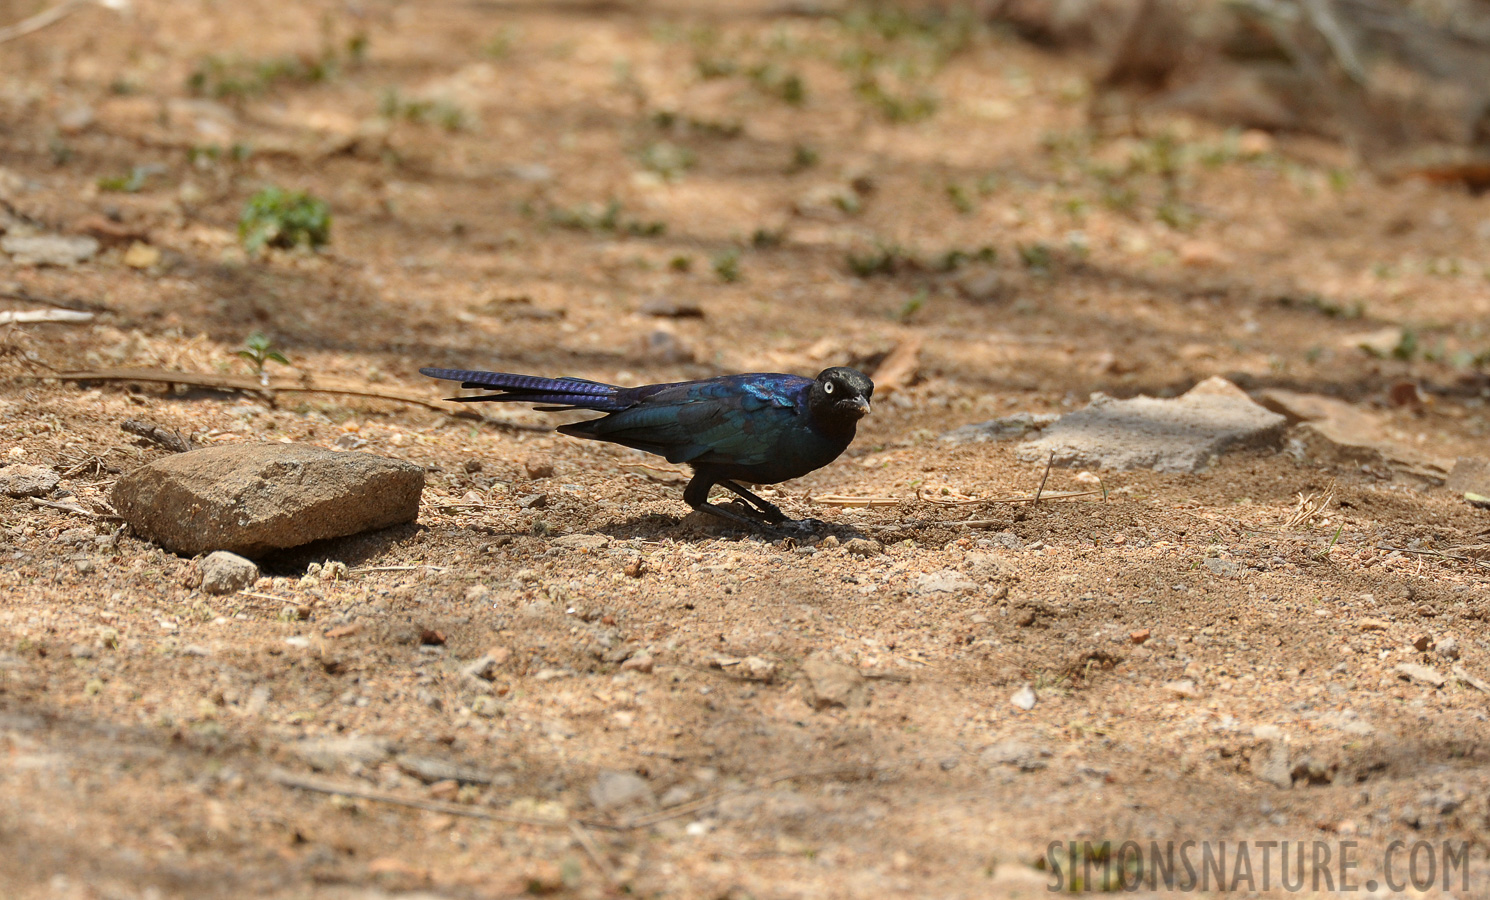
756 519
736 515
754 513
770 512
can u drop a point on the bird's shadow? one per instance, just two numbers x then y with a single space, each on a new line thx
369 547
701 526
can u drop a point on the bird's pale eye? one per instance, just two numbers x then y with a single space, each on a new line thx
828 388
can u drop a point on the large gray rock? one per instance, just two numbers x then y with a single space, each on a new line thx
1179 435
253 498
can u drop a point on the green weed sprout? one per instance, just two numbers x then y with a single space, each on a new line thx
258 349
278 218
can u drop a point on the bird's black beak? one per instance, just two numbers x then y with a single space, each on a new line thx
860 407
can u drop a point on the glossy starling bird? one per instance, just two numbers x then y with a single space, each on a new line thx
761 428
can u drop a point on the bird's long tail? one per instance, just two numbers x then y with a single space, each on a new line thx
559 393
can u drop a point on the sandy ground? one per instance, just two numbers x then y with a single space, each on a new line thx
1184 637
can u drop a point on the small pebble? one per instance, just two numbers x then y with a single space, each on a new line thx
224 572
1183 688
757 669
1420 674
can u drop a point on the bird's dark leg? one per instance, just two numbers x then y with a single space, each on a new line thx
696 495
770 511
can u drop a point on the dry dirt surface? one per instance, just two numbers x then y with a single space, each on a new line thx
558 681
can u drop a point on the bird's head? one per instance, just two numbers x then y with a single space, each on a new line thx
841 394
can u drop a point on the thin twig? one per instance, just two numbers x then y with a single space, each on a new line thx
1309 506
319 786
308 384
1048 463
398 568
861 502
156 434
40 20
64 316
832 500
95 461
322 786
1061 495
65 507
587 843
683 809
1438 553
21 294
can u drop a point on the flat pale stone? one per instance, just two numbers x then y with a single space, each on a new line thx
49 249
1179 435
21 480
1420 674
